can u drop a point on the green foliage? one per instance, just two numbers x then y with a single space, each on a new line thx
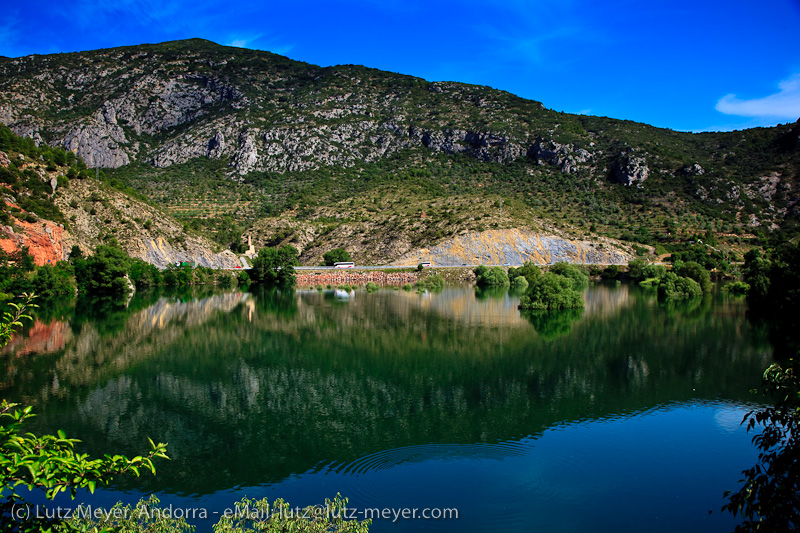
259 515
578 276
51 463
774 280
433 283
274 267
552 291
694 271
105 272
146 516
769 499
674 287
13 318
54 280
491 277
519 283
144 274
610 272
737 287
372 286
636 269
337 255
529 271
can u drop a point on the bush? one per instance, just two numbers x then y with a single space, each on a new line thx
434 283
54 280
494 277
695 271
552 291
519 283
737 287
529 271
372 286
578 276
674 287
610 272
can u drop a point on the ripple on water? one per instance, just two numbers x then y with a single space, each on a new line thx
496 480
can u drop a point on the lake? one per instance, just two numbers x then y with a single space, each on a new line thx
624 416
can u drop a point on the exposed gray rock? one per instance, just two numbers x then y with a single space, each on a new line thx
246 158
216 145
98 143
566 157
694 170
4 161
630 169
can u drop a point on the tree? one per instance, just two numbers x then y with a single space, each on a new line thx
274 267
337 255
636 269
104 272
769 500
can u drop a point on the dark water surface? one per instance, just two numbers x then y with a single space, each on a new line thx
621 417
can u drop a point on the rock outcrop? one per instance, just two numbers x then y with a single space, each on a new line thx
514 247
630 169
566 157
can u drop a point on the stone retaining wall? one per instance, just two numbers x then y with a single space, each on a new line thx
355 278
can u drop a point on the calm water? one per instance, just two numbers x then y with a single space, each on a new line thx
621 417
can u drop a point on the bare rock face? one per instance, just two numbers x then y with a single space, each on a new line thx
630 169
216 145
246 158
566 157
4 161
514 247
99 143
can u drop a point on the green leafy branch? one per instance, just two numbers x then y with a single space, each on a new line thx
50 462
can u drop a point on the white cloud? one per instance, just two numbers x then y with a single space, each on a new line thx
785 104
238 43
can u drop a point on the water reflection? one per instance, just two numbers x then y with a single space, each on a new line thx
269 384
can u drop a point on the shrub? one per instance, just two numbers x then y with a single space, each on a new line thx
520 283
372 286
552 291
529 271
494 277
737 287
578 276
695 271
434 283
676 287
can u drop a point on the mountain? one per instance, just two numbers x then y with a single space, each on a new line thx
240 142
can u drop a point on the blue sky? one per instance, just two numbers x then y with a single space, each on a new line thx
686 65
